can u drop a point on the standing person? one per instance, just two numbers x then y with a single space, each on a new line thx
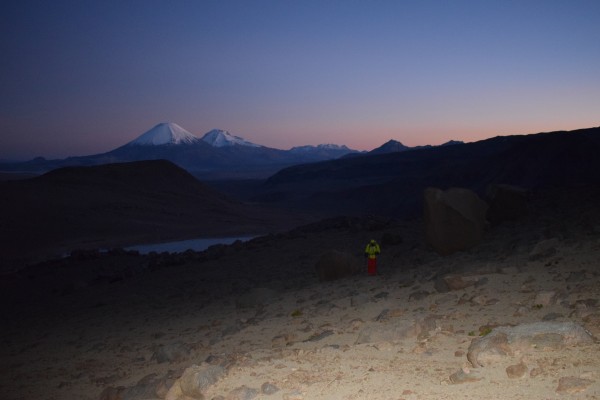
371 251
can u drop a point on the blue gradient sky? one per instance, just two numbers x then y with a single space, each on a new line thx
82 77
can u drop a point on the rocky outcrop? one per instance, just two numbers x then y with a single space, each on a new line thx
454 219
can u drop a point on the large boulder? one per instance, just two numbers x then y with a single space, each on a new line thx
455 219
505 341
507 203
335 264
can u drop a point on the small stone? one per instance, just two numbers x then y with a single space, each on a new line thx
516 371
459 353
572 385
242 393
268 388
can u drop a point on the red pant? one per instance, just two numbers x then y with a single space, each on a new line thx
372 266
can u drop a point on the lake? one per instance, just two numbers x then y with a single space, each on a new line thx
184 245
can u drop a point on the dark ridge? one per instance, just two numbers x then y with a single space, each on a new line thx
392 184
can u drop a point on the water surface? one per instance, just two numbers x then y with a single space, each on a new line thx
184 245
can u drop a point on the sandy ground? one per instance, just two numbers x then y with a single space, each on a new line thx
260 311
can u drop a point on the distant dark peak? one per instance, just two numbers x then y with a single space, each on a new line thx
391 146
452 142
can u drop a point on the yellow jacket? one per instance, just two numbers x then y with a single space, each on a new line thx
372 249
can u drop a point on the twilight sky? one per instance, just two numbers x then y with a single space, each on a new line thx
80 77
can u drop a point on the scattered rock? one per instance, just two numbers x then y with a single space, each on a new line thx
454 219
572 385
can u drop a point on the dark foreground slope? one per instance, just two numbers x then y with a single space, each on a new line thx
392 184
85 207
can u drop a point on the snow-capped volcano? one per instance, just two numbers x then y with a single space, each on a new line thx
221 138
165 133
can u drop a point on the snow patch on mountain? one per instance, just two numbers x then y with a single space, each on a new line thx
299 149
221 138
165 133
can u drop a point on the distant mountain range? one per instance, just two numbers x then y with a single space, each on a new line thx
216 155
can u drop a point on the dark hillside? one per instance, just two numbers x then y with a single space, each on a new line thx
114 204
